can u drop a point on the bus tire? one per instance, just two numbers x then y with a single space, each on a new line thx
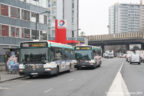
99 65
78 68
70 68
30 76
94 66
57 70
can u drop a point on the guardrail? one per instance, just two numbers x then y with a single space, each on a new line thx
119 36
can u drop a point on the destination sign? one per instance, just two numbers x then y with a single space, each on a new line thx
33 44
83 48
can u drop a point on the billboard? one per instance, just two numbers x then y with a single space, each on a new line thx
135 46
61 24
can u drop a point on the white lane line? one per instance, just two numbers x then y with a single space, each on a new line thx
28 81
70 80
118 87
48 90
3 88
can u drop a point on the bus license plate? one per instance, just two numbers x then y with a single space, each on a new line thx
34 73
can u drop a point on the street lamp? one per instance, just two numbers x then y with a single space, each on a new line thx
73 34
77 32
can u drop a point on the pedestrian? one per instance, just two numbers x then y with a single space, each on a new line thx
6 56
12 64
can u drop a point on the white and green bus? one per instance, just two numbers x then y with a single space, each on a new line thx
88 56
45 58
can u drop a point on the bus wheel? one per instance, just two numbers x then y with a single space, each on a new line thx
99 65
79 68
70 68
30 76
57 70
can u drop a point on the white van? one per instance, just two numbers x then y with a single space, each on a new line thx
135 58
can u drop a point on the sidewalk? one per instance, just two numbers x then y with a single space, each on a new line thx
4 76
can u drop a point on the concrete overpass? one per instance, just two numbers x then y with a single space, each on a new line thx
117 39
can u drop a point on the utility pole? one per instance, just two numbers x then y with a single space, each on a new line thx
141 18
36 34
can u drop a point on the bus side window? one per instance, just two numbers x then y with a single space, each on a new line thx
58 54
93 53
51 54
72 56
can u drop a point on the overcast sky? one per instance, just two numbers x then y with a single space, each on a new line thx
94 15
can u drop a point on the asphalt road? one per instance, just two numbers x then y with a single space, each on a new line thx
85 82
133 75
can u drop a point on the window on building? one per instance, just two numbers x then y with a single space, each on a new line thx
43 3
25 33
36 0
43 35
4 10
5 30
12 31
35 34
25 15
0 30
0 9
15 12
41 20
15 32
45 19
53 33
23 0
34 17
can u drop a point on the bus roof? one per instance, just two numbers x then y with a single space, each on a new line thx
93 47
52 44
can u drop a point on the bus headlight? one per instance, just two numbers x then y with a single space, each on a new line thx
21 66
92 62
46 66
49 65
48 69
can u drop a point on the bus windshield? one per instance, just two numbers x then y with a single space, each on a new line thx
34 55
83 54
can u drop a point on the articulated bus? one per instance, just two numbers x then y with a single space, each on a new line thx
88 56
45 58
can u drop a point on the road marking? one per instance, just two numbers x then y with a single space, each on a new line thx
70 80
3 88
48 90
118 87
28 81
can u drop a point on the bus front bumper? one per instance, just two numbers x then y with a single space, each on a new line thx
84 64
37 72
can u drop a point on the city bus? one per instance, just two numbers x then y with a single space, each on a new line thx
45 58
88 56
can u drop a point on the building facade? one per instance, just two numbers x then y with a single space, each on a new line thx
68 10
24 20
124 18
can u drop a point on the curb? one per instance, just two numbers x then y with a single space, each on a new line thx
12 79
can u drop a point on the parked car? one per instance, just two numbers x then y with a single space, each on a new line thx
108 54
135 58
128 57
105 55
